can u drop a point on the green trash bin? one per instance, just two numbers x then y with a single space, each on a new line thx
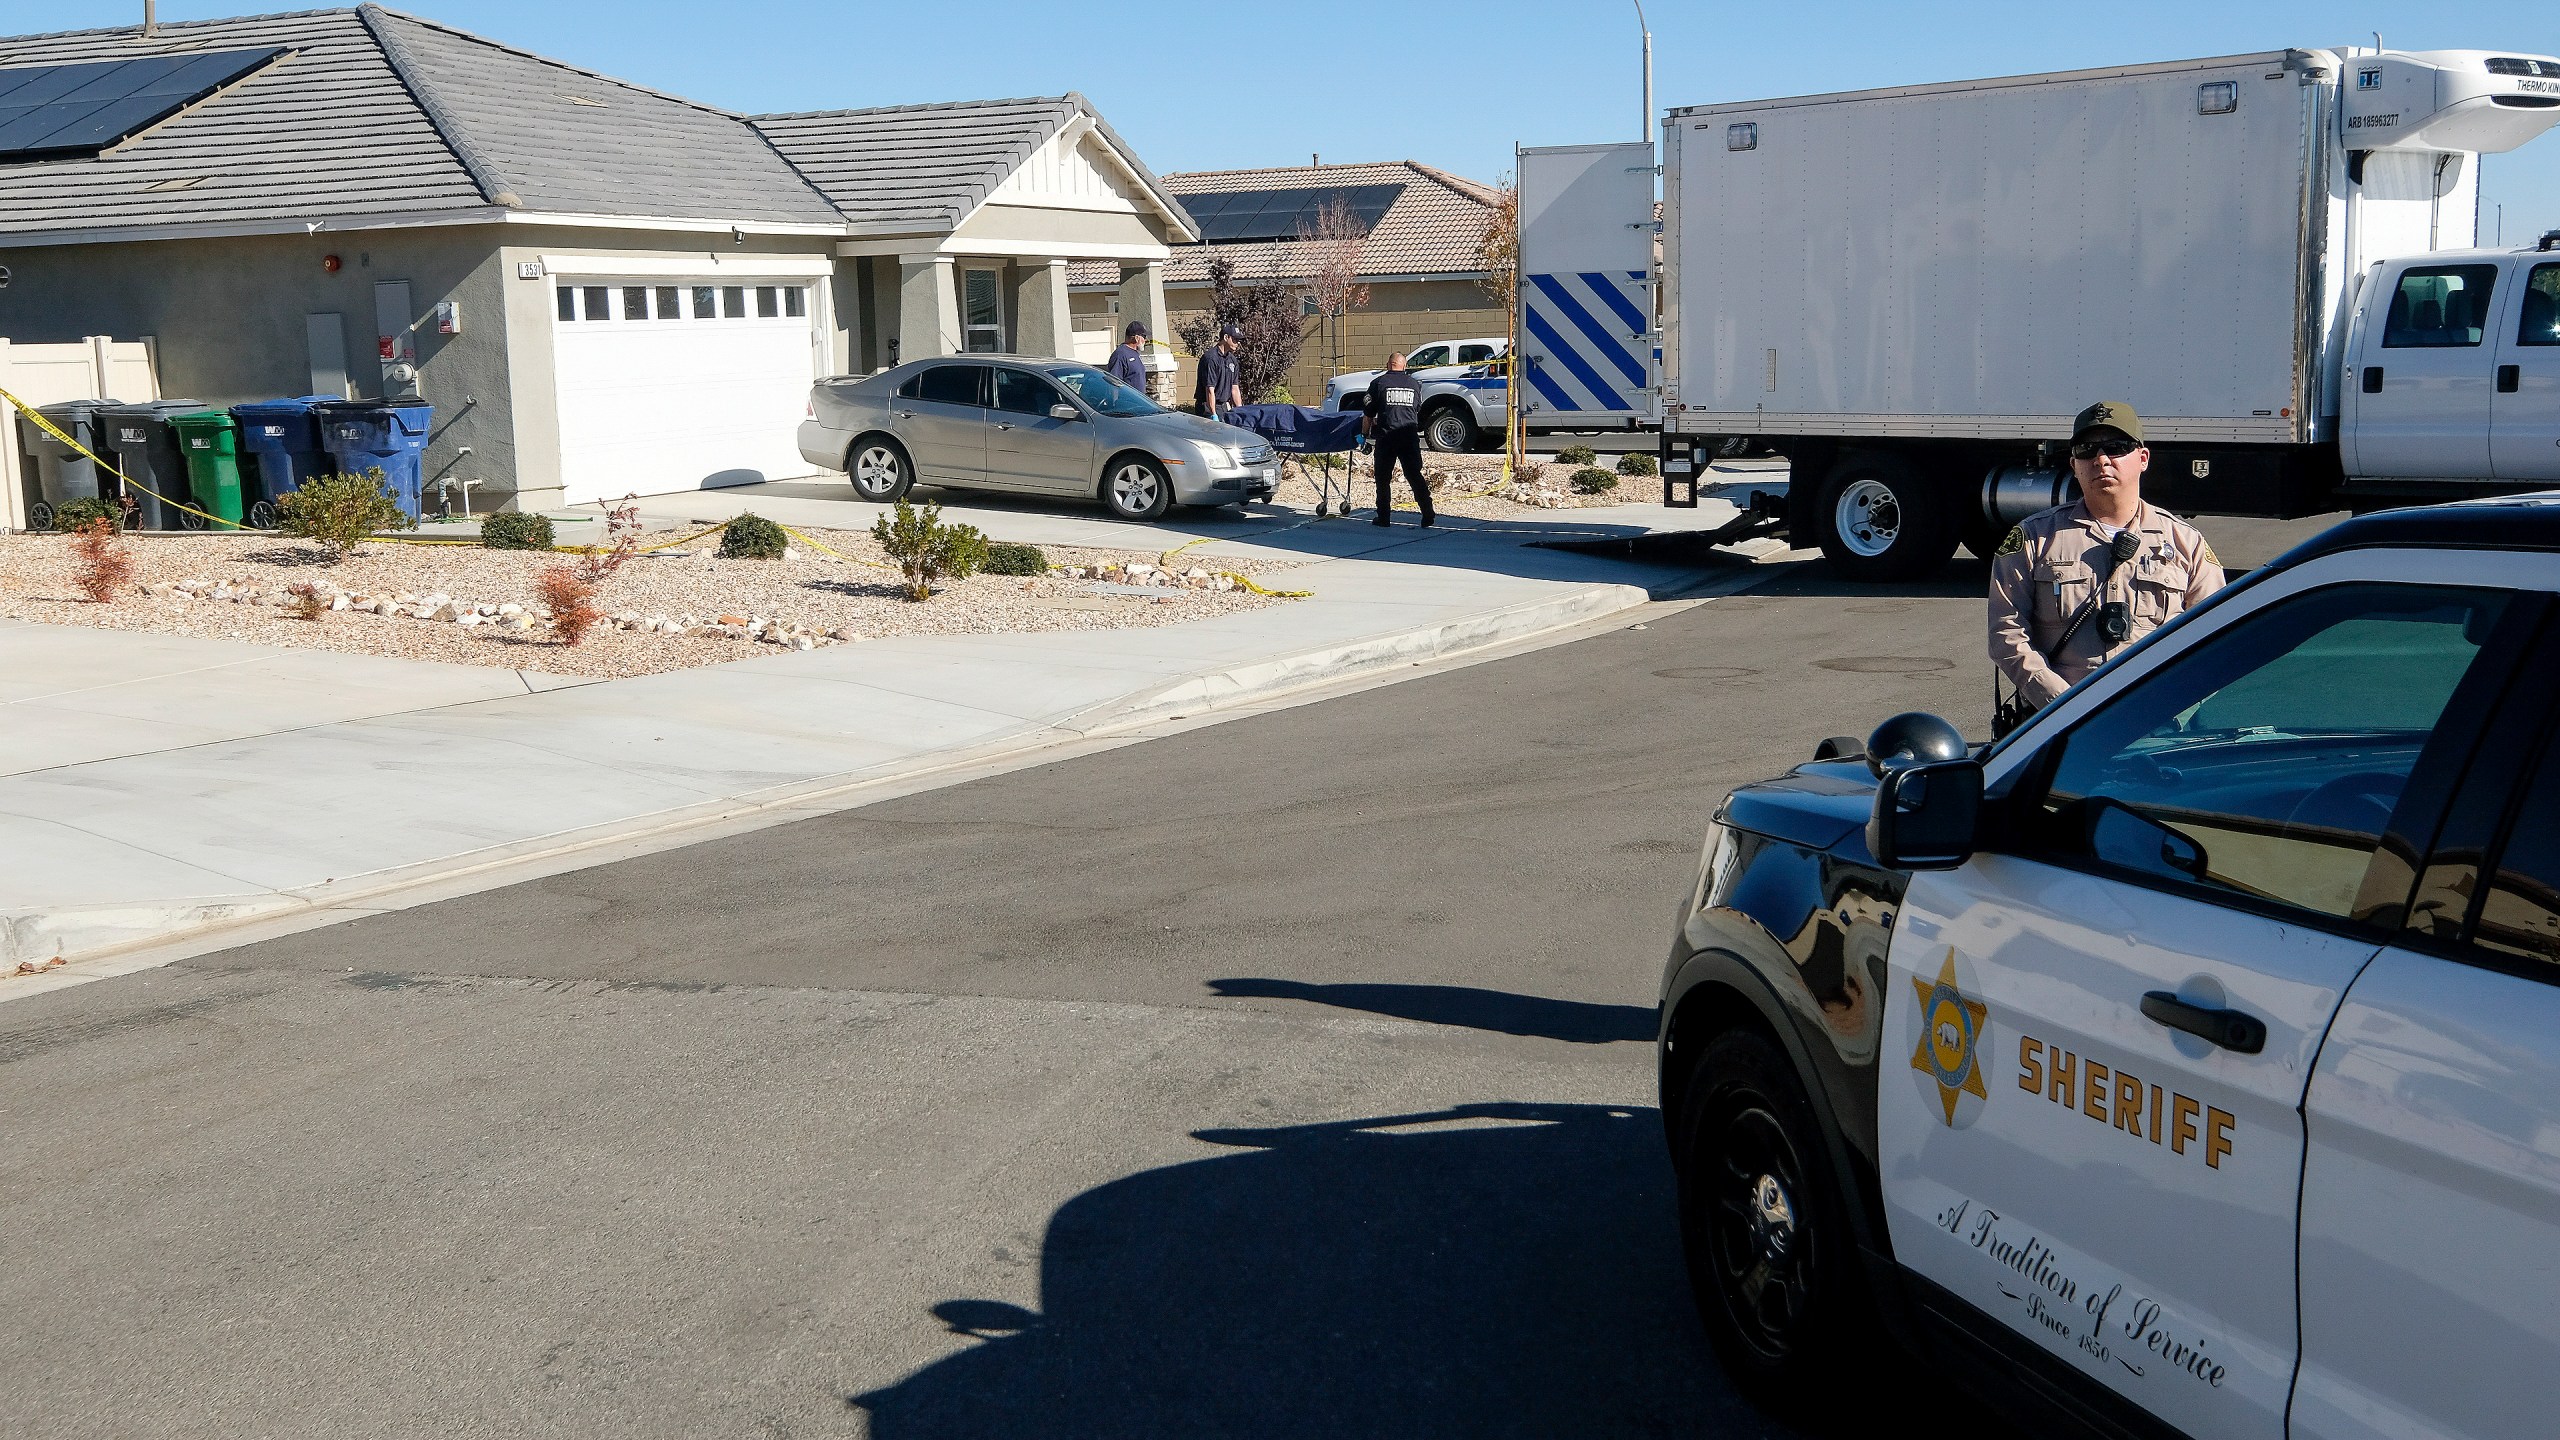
210 441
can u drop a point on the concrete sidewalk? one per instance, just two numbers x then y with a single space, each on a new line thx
156 785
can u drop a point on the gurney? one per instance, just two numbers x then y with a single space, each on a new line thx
1304 430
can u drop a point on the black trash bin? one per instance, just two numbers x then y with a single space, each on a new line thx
145 448
57 474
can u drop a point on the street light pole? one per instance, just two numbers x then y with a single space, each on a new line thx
1646 129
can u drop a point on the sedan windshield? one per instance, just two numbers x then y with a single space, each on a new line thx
1103 393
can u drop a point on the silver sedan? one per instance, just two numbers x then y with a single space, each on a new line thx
1039 427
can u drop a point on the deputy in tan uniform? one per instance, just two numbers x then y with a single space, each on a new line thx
2061 604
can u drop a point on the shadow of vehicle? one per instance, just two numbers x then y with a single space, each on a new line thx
1579 1022
1504 1269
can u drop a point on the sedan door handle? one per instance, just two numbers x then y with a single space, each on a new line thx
2510 379
2230 1029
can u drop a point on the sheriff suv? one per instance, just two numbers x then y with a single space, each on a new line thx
2188 1063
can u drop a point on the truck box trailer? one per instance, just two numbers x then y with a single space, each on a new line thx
1909 292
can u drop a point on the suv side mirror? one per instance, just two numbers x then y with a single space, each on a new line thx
1064 411
1927 815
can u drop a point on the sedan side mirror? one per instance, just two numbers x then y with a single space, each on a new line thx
1927 816
1064 411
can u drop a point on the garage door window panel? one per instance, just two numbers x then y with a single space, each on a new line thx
733 302
2268 764
706 303
568 302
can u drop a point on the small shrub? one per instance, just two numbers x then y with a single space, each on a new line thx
337 512
308 602
1007 558
105 566
1637 463
1577 455
752 537
516 530
73 516
1592 480
571 595
926 550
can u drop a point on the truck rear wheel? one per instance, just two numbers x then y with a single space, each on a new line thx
1881 519
1449 428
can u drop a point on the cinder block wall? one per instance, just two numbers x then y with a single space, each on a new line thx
1398 317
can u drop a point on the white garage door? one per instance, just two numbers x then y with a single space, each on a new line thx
680 384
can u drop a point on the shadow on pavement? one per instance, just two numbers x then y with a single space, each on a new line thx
1500 1011
1502 1269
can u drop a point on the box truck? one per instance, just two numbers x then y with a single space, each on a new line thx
2273 258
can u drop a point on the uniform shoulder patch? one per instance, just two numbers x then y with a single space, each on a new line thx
2016 541
2204 552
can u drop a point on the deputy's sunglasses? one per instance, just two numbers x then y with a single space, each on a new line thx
2111 449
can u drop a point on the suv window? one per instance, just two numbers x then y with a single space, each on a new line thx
1474 354
1426 357
2268 760
2438 305
954 384
2520 908
2540 324
1019 392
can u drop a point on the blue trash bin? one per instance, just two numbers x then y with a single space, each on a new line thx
282 440
390 434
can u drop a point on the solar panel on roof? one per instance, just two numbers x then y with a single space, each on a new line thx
1230 216
49 112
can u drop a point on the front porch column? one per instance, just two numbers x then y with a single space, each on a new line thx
1041 325
928 307
1142 298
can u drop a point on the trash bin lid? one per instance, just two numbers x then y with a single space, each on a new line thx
75 410
292 407
151 409
203 420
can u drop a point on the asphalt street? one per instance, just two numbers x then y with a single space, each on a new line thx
1289 1076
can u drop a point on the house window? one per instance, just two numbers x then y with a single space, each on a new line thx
670 303
733 302
795 300
768 302
981 313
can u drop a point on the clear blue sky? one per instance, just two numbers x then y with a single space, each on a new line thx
1204 86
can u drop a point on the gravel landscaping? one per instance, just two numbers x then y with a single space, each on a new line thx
1542 486
667 611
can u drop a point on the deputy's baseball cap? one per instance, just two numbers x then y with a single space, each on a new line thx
1232 332
2109 415
1137 330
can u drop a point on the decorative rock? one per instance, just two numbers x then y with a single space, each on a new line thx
1195 573
731 621
844 632
790 552
340 602
445 612
510 610
467 619
803 642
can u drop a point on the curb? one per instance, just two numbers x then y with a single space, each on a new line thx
103 932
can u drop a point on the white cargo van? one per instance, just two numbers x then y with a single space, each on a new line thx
2271 257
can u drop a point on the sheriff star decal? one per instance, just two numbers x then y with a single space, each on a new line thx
1950 1038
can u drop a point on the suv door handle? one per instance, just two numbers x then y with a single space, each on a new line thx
2230 1029
2510 378
2373 379
904 414
1002 426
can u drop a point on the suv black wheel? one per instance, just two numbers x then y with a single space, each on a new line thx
1881 519
1765 1229
1450 429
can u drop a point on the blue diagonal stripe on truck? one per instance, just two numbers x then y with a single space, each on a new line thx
1598 334
1548 390
1571 359
1616 299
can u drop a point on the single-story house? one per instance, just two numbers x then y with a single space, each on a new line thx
1419 260
601 288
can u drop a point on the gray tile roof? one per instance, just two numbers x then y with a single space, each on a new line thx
378 113
913 169
1432 229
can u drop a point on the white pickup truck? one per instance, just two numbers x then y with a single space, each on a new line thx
1464 393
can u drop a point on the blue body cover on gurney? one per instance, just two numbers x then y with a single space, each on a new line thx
1298 429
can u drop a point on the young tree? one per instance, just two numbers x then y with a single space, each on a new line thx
1266 310
1498 249
1330 249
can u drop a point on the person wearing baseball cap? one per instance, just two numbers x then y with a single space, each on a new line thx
1220 384
2075 585
1129 363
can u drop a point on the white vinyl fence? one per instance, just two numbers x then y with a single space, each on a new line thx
99 367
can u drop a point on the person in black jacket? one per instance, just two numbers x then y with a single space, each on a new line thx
1393 423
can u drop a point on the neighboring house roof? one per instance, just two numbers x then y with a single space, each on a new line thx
1432 229
910 169
376 115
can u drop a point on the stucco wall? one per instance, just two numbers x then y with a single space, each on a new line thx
1399 316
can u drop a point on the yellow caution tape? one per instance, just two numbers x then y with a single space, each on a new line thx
95 458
